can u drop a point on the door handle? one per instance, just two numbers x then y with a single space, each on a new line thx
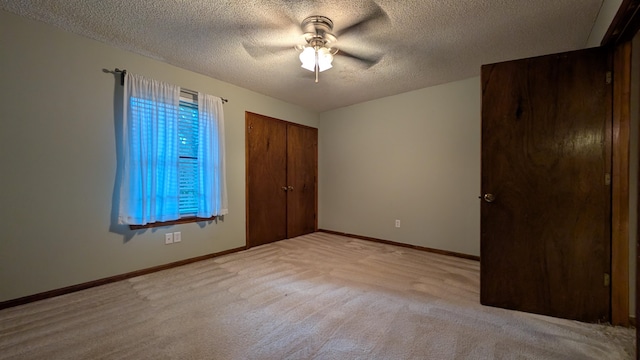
488 197
284 188
290 188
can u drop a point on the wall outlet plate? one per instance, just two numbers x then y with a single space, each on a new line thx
397 223
177 236
168 238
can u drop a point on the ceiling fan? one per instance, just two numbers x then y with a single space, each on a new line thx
317 54
319 47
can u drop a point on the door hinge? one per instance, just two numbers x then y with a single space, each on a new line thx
609 77
607 279
607 179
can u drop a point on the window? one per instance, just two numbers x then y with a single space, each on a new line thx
173 155
188 157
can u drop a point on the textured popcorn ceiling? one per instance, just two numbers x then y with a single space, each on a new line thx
421 42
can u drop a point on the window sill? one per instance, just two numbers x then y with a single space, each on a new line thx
184 220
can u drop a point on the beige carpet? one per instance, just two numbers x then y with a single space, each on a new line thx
318 296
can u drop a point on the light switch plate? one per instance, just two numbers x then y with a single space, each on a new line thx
177 236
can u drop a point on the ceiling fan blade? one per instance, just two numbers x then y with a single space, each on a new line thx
368 61
378 14
259 51
284 18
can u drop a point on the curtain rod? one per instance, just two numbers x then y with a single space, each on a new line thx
123 72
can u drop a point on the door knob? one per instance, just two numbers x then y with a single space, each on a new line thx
290 188
488 197
284 188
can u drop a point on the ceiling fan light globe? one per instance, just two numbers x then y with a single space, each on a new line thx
324 67
310 67
324 59
308 58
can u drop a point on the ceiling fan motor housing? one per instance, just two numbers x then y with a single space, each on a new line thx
318 30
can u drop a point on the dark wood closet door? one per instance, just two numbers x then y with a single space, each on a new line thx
545 217
266 179
282 169
302 153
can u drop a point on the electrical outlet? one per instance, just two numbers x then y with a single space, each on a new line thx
397 223
168 238
177 236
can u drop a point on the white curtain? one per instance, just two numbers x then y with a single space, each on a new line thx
149 185
211 163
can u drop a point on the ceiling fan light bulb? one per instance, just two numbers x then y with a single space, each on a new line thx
308 58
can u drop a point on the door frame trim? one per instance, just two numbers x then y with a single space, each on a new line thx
623 28
624 25
620 185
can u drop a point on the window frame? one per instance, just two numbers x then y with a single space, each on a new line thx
182 220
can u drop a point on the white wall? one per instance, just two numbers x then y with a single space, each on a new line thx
413 157
58 160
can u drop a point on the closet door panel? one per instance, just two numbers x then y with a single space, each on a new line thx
266 179
302 165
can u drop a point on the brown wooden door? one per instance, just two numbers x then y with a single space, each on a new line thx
282 163
302 154
546 150
266 176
